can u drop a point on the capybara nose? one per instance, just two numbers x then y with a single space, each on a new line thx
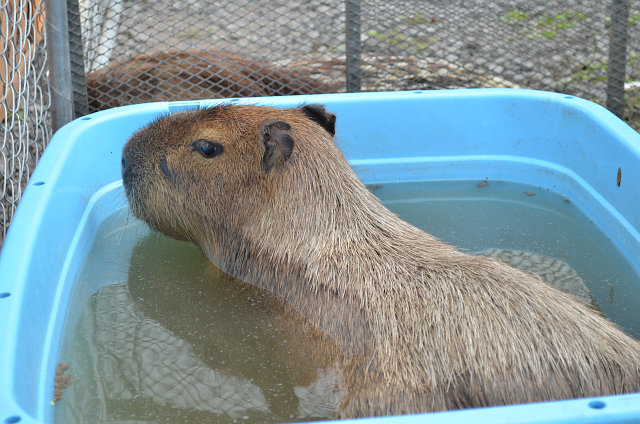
126 163
126 167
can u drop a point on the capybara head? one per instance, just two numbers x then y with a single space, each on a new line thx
193 175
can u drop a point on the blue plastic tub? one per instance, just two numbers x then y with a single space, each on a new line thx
559 142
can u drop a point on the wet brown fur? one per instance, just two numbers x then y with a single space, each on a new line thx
421 326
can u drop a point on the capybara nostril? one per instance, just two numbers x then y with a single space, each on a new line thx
125 166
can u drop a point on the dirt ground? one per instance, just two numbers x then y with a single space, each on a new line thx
557 45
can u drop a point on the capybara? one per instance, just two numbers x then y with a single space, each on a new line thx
421 326
194 74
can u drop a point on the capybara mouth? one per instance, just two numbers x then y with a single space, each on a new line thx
136 205
131 184
139 209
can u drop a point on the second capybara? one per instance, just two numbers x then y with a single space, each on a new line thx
194 74
421 326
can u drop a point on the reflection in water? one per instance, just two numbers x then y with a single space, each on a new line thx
139 358
555 272
182 342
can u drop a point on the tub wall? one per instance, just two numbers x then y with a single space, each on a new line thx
554 141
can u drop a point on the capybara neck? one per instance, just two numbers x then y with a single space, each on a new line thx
318 234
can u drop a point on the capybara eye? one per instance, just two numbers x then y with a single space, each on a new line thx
206 148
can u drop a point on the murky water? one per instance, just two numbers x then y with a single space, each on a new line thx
155 333
559 241
172 339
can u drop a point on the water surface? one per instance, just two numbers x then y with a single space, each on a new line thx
155 333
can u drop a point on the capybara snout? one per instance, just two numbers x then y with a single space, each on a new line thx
416 324
173 166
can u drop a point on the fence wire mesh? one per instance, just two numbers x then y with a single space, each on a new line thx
24 99
166 50
133 51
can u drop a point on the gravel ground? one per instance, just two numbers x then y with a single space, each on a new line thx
554 45
558 45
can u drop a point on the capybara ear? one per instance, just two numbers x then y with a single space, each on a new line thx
319 114
278 143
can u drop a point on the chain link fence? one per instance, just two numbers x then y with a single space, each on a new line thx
24 99
118 52
166 50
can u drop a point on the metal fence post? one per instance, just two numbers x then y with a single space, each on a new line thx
59 64
617 56
76 56
354 74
